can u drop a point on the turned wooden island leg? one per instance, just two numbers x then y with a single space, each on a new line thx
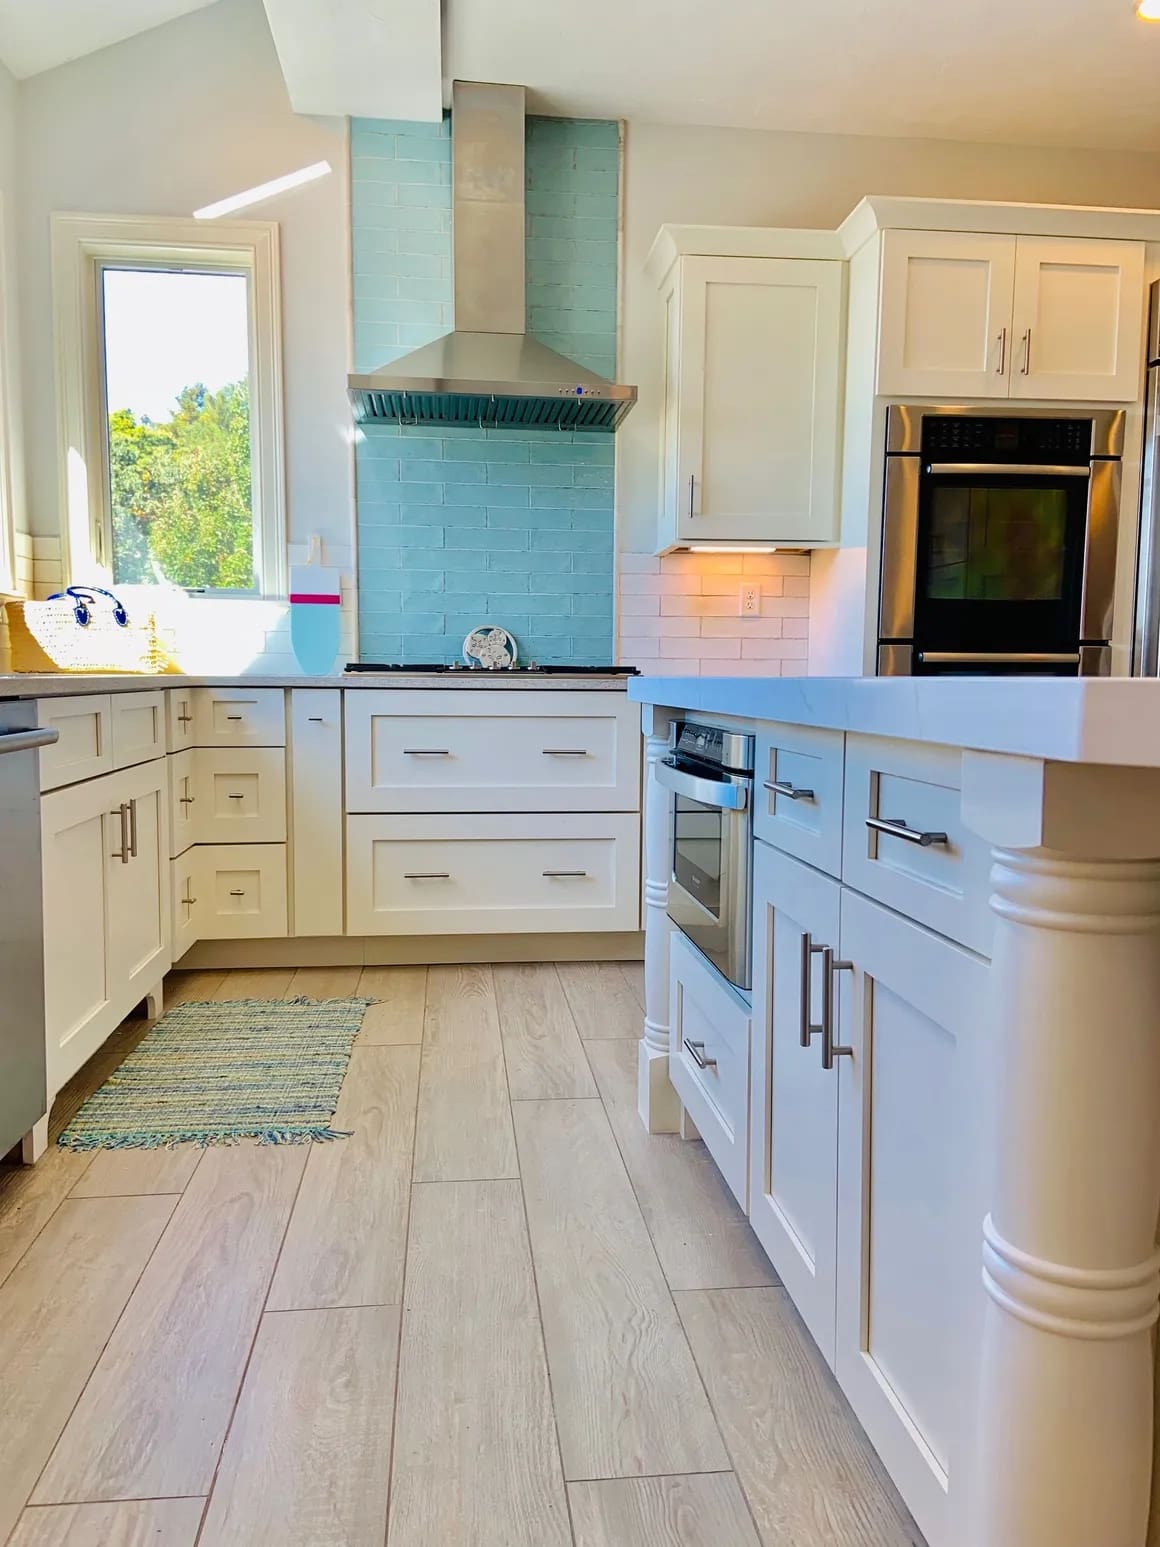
1065 1441
660 1109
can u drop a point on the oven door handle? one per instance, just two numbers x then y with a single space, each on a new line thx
999 657
721 794
1019 469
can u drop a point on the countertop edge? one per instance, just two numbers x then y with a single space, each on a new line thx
18 686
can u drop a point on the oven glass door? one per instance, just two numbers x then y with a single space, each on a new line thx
698 852
1000 561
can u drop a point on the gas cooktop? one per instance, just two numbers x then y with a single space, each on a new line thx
459 669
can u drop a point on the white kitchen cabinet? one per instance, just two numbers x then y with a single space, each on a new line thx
709 1060
239 717
751 424
182 801
240 794
1078 319
492 873
974 315
240 891
911 1199
138 727
183 877
945 327
793 1180
84 745
316 778
448 750
105 867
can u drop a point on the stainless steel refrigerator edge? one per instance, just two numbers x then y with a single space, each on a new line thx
1146 640
23 1095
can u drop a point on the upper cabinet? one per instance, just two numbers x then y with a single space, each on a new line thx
965 314
751 428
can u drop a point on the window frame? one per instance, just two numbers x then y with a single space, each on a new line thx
83 247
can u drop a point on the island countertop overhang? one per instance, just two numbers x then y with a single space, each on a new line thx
1109 721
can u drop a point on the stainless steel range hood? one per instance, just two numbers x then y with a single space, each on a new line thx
489 372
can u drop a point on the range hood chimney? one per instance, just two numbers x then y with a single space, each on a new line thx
489 372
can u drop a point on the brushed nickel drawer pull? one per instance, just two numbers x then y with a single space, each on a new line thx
315 719
123 854
133 828
790 791
186 800
188 902
426 751
184 718
565 752
565 873
237 894
895 827
831 1049
235 717
237 797
696 1052
426 875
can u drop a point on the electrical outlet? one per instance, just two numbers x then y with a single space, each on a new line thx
750 601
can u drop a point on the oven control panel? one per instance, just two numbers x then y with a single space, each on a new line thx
967 438
711 744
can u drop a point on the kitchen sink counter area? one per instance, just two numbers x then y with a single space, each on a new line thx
939 1103
65 684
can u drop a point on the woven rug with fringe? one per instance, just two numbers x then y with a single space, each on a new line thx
265 1069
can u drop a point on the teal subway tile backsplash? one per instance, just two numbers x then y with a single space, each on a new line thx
462 528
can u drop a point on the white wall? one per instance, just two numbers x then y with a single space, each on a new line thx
10 364
160 125
745 177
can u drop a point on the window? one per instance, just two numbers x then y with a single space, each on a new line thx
169 373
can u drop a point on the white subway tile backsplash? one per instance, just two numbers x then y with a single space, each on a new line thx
680 615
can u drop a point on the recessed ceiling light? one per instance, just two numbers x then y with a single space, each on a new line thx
237 201
1148 10
734 547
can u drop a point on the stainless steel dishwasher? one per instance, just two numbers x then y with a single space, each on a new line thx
22 1072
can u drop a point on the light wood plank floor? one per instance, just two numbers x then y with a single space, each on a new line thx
500 1315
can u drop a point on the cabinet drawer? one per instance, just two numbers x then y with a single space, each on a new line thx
184 901
85 747
138 728
798 793
240 891
492 874
485 750
239 717
182 801
941 883
709 1060
240 794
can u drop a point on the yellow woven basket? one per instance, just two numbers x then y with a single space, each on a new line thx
46 637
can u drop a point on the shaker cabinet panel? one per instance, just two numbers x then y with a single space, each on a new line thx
946 314
317 831
752 419
794 1101
1078 319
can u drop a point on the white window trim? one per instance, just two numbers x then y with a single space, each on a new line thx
81 245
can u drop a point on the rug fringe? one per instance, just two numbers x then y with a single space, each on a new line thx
153 1141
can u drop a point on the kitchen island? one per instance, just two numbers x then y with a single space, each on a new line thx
957 889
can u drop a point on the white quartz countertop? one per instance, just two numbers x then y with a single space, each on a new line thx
65 684
1072 720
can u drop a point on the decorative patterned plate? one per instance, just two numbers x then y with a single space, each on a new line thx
491 646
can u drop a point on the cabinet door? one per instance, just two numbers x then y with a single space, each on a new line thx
945 326
77 836
911 1199
1078 319
138 721
182 801
759 400
794 1102
138 891
184 876
316 777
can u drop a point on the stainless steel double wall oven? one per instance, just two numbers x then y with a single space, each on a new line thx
999 540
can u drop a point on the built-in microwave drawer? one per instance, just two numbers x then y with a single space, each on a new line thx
905 842
797 802
483 749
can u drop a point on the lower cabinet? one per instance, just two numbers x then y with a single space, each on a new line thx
228 891
492 873
709 1059
864 1184
793 1181
105 846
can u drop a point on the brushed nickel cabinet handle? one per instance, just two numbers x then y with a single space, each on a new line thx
1001 369
426 875
186 800
235 717
895 827
133 828
185 718
426 751
831 1049
692 487
237 797
315 719
565 752
807 1030
696 1051
564 873
188 902
790 791
123 854
1027 353
237 894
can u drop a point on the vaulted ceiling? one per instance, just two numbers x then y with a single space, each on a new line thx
1037 72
